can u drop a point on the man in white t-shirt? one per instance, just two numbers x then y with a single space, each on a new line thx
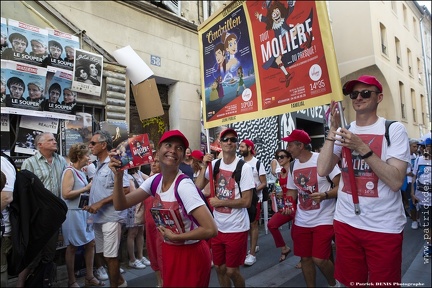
368 238
312 231
230 214
247 151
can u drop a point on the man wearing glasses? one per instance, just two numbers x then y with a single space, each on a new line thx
230 245
106 220
369 243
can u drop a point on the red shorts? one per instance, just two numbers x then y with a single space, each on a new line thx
258 211
313 242
182 270
360 253
229 249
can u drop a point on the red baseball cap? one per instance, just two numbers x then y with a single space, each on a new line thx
298 135
174 133
250 144
222 134
365 79
198 155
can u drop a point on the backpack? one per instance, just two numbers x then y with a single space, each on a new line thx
155 184
387 127
44 275
265 190
35 215
252 210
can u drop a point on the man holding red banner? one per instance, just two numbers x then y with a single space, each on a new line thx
368 240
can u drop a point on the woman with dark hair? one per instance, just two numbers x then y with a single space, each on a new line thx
82 74
176 248
278 219
76 232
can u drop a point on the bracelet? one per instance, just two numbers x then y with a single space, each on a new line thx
326 195
328 139
367 155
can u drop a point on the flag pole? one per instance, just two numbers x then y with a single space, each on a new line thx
210 167
348 157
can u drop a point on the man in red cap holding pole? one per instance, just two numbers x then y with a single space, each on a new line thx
368 239
312 230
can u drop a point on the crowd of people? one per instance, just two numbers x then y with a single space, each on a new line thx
340 198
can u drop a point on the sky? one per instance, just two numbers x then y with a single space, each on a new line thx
427 3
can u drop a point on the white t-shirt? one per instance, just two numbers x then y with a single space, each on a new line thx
381 208
229 220
257 174
10 173
168 200
305 179
422 170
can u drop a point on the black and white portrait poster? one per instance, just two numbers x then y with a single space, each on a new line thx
87 73
28 43
29 128
59 97
25 85
61 49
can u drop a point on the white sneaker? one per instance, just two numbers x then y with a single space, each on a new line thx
414 225
145 261
122 271
256 249
250 260
137 264
101 274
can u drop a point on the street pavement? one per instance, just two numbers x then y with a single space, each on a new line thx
268 272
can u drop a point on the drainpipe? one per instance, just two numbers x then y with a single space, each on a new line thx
425 67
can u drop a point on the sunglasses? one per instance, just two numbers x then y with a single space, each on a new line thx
93 143
281 157
364 94
232 139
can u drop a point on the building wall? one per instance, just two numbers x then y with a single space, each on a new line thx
358 33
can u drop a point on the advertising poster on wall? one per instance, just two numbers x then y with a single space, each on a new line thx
29 128
118 130
293 62
87 72
5 134
4 35
24 85
78 130
59 96
28 43
61 49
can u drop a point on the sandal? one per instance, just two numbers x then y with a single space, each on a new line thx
74 284
93 282
284 256
298 265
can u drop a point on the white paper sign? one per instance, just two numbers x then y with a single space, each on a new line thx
136 69
41 124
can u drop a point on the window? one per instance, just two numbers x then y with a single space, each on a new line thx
415 28
383 39
393 6
405 15
414 106
419 70
402 99
410 68
398 52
